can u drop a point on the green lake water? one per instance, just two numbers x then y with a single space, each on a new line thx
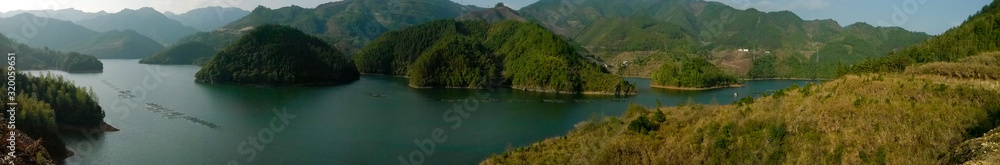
375 120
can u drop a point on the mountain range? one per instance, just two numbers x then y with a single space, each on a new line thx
146 21
28 57
68 14
66 36
731 38
208 18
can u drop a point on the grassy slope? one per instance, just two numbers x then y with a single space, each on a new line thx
906 118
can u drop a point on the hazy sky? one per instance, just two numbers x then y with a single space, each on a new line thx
931 16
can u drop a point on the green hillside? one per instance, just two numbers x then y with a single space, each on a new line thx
475 54
278 55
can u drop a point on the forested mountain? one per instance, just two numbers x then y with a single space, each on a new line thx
715 31
475 54
495 14
857 43
67 36
68 14
126 44
34 58
54 34
146 21
347 24
208 18
278 55
185 53
978 34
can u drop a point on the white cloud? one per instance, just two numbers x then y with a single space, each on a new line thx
777 5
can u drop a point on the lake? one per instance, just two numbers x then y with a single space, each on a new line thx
167 118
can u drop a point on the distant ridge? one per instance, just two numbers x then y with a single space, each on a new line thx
495 14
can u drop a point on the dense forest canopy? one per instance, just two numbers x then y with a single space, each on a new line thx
473 54
692 73
46 102
278 55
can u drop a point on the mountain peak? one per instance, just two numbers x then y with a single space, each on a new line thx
495 14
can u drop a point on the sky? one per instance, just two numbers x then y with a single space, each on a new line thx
930 16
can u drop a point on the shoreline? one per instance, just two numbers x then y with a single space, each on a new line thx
103 127
804 79
528 89
277 85
753 79
695 89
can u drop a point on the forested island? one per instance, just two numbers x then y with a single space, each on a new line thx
477 54
186 53
692 74
278 55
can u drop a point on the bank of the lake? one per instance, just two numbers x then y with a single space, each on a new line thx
374 120
695 88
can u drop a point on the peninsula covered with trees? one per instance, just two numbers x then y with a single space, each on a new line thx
278 55
476 54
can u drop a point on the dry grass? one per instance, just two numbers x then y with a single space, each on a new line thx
912 118
985 66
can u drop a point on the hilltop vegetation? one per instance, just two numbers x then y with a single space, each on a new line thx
33 58
906 118
691 73
278 55
474 54
186 53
